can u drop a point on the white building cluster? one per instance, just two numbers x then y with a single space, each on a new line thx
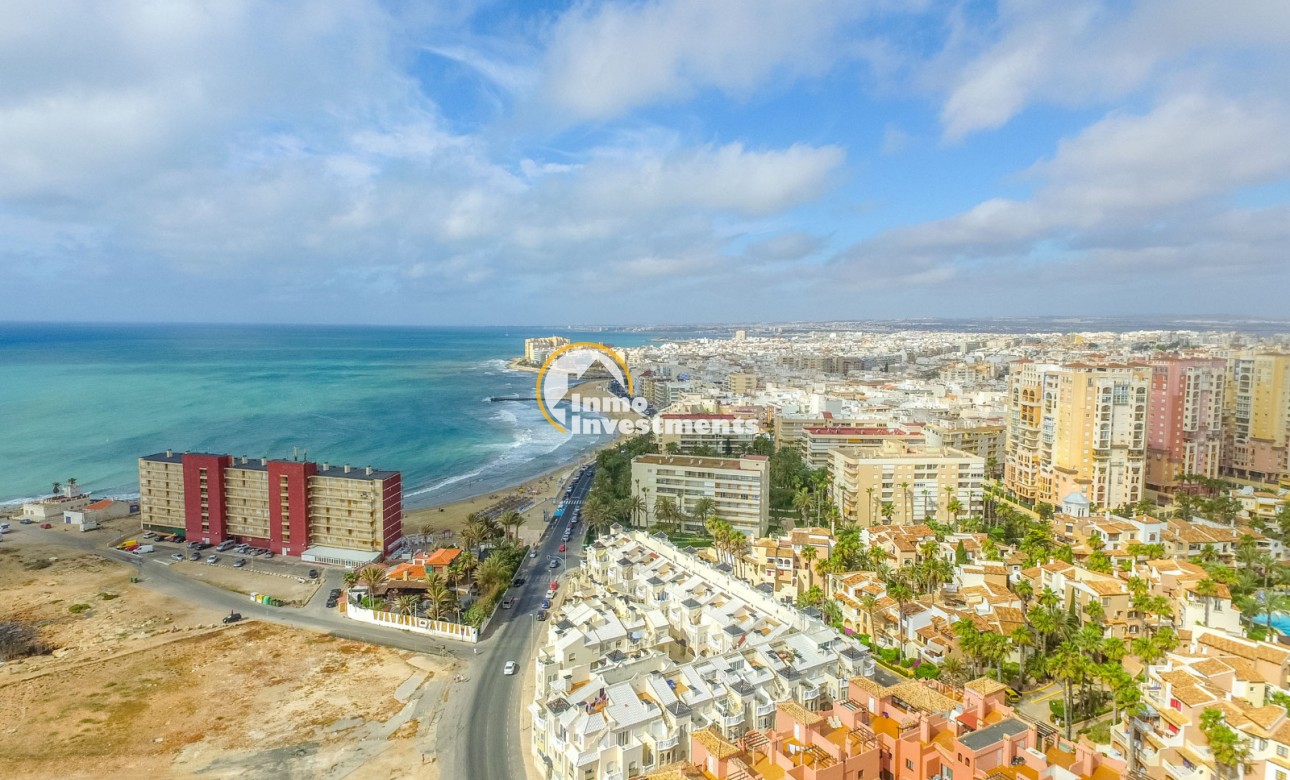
654 644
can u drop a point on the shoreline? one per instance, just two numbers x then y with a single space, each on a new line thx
542 491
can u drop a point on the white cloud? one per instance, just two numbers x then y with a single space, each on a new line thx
606 59
1130 194
1084 52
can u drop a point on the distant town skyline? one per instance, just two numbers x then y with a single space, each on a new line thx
668 162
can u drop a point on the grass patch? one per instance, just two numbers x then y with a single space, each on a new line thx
77 609
109 596
37 564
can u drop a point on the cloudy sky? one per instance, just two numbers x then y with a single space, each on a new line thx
665 161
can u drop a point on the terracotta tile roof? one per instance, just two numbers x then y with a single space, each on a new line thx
716 744
985 686
800 714
1261 651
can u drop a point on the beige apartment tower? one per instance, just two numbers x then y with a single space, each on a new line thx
916 483
1077 428
738 487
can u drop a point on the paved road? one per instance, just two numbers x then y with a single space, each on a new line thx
488 718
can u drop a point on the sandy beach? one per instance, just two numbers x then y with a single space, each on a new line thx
538 495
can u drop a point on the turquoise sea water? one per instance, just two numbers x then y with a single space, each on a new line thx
85 401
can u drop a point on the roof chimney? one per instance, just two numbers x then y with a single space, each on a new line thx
346 468
325 466
264 461
170 453
368 471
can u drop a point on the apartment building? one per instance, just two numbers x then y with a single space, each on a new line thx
656 645
330 514
536 351
817 443
1209 672
915 482
741 383
1259 418
981 437
738 487
720 433
1077 428
1185 420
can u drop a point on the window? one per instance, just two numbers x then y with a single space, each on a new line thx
1283 751
909 763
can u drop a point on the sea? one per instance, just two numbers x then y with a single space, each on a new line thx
85 401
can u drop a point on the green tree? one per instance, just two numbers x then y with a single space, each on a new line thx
1207 589
1230 750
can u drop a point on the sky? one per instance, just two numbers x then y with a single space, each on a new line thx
673 161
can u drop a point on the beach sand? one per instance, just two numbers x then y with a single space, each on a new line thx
541 493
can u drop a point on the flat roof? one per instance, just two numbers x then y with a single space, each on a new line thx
253 464
340 554
992 734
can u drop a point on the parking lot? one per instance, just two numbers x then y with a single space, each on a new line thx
281 577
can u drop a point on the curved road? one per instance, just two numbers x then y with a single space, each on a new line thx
480 738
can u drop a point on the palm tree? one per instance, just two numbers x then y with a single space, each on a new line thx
869 504
902 595
638 507
1229 749
1023 637
952 670
808 556
888 509
666 513
904 491
58 488
1069 666
406 605
71 485
969 640
439 597
1208 590
511 520
373 576
349 578
702 509
868 604
802 500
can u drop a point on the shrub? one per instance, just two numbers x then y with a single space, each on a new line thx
908 663
18 640
39 563
890 655
108 596
77 609
927 671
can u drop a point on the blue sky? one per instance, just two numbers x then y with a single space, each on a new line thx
667 161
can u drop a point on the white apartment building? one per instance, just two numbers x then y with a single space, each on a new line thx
739 488
916 482
655 644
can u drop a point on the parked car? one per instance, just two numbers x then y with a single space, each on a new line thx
563 548
518 581
232 617
555 564
195 556
239 563
532 553
26 521
335 593
510 667
313 574
546 603
46 525
177 556
331 603
213 559
541 615
555 585
508 603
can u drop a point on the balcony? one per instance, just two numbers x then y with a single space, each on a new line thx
1180 771
666 743
765 709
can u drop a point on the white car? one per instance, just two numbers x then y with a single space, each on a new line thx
532 553
510 667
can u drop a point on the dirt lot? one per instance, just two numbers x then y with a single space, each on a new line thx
142 685
290 589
